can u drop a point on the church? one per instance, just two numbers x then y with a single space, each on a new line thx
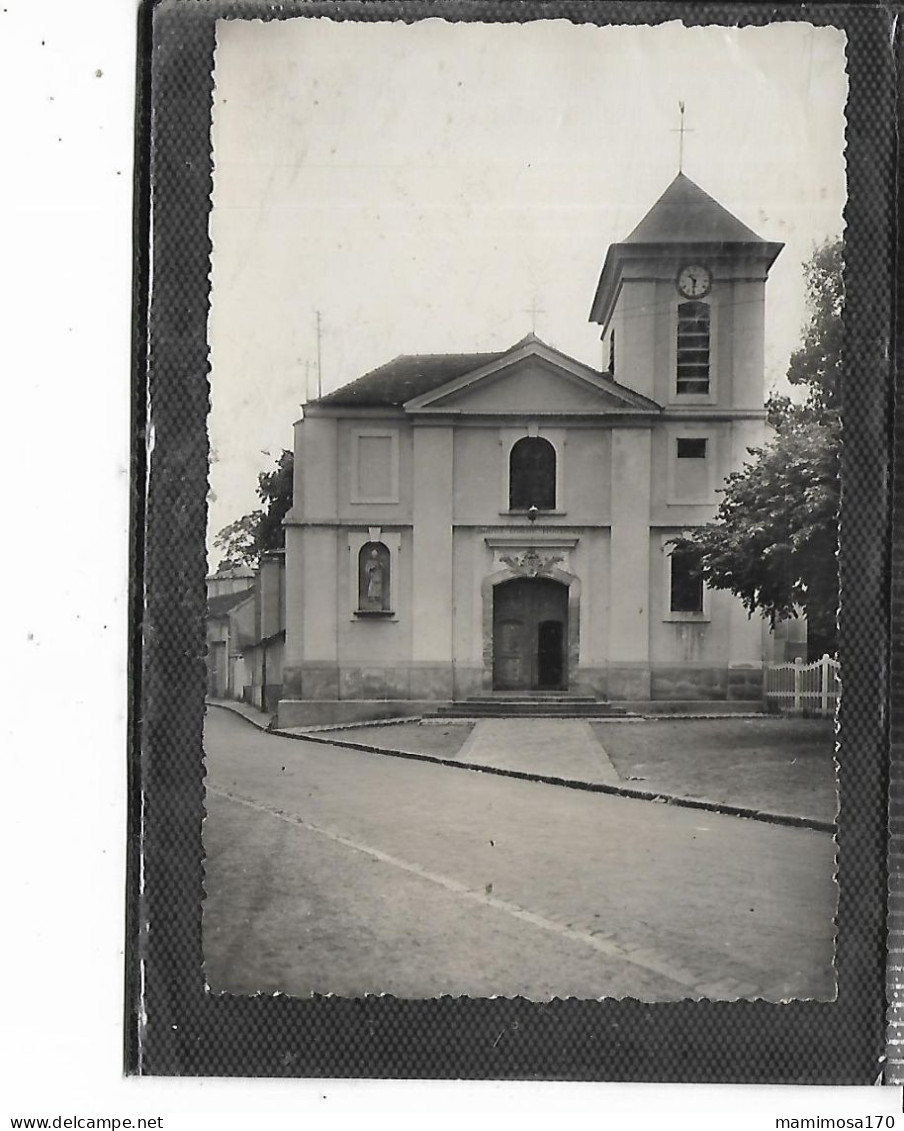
471 525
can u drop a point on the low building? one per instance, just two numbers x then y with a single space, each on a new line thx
230 621
263 651
231 579
246 634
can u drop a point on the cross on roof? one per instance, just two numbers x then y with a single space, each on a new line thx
681 131
533 310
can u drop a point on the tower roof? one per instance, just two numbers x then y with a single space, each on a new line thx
686 214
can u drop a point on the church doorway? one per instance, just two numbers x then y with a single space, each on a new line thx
530 630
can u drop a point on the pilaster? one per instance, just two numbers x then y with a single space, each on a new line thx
319 475
320 673
295 612
432 594
629 586
748 344
745 652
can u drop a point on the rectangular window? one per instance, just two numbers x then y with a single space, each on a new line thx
686 592
693 348
612 354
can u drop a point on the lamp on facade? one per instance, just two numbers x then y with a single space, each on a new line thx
532 513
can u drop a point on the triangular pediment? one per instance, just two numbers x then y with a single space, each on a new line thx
534 379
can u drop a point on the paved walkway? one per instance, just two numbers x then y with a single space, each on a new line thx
566 748
557 751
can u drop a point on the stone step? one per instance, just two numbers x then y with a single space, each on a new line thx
531 697
529 709
666 707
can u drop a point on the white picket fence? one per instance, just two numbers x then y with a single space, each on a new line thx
811 689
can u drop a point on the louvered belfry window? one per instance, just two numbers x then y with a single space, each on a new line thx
693 348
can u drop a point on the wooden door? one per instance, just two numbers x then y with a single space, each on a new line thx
530 632
550 653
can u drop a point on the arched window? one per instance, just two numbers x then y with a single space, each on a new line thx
373 578
693 348
532 474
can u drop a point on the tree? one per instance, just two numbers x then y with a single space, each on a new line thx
817 364
774 540
243 541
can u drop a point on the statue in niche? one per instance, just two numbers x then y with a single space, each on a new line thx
373 570
373 578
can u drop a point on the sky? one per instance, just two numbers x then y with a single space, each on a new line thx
427 186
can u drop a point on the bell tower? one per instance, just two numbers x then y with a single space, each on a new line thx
681 303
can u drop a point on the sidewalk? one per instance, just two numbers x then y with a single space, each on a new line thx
251 714
565 748
565 752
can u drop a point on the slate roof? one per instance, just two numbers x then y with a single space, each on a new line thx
686 214
224 603
406 376
412 375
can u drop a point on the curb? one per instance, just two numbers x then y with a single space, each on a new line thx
364 724
723 809
268 729
785 819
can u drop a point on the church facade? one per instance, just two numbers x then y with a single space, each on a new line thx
501 522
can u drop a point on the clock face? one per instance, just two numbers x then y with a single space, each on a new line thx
694 281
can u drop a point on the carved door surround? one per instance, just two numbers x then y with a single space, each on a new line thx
534 554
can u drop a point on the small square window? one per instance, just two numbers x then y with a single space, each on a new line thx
691 447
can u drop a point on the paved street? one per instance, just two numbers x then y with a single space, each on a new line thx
332 870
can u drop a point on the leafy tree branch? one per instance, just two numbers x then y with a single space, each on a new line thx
242 542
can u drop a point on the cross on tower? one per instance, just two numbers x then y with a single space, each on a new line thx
533 310
681 131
